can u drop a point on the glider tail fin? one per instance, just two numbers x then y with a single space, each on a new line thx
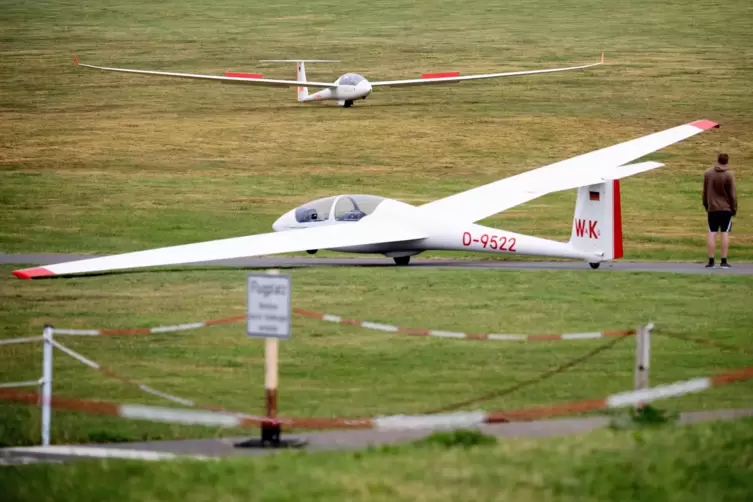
300 74
597 223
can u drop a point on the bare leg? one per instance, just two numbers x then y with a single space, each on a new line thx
711 244
725 244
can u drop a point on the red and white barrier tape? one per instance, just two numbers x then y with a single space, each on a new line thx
27 339
353 322
455 334
100 452
148 331
28 383
395 422
149 390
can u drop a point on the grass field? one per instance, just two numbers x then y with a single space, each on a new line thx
104 162
705 462
100 163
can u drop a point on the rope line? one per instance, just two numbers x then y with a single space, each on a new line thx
537 379
706 341
143 387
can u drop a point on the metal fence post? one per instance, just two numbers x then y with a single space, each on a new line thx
647 351
46 383
642 358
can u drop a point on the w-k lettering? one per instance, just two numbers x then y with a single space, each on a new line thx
580 228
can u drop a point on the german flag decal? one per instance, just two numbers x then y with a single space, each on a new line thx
593 195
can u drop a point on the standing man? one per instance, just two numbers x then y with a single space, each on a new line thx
720 201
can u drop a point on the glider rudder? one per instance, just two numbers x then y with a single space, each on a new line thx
617 248
597 223
300 71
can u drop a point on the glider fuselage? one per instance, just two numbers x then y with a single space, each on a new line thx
350 87
445 235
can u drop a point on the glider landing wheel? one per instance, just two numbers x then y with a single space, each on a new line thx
401 260
595 265
348 103
312 251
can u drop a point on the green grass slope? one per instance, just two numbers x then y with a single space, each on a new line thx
705 462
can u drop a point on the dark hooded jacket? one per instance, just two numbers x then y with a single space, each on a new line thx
719 192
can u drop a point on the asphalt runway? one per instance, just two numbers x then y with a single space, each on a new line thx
282 262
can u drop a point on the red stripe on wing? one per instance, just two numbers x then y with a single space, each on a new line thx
441 75
242 75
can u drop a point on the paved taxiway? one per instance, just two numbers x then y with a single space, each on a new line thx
296 262
319 441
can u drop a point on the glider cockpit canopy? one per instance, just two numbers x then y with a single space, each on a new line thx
337 208
350 79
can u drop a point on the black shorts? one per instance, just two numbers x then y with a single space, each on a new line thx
720 221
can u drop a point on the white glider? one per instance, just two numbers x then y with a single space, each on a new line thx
346 89
371 224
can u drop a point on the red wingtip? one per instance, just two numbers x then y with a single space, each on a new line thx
704 124
32 273
75 59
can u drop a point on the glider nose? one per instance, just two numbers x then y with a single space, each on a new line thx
284 222
363 88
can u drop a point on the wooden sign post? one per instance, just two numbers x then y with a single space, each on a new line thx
271 349
269 312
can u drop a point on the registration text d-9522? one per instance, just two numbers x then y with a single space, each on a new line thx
497 242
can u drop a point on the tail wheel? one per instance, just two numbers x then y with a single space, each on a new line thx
401 260
595 265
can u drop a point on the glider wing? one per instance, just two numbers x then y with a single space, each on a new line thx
586 169
233 80
455 79
326 237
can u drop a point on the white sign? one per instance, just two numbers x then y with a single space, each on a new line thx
268 306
